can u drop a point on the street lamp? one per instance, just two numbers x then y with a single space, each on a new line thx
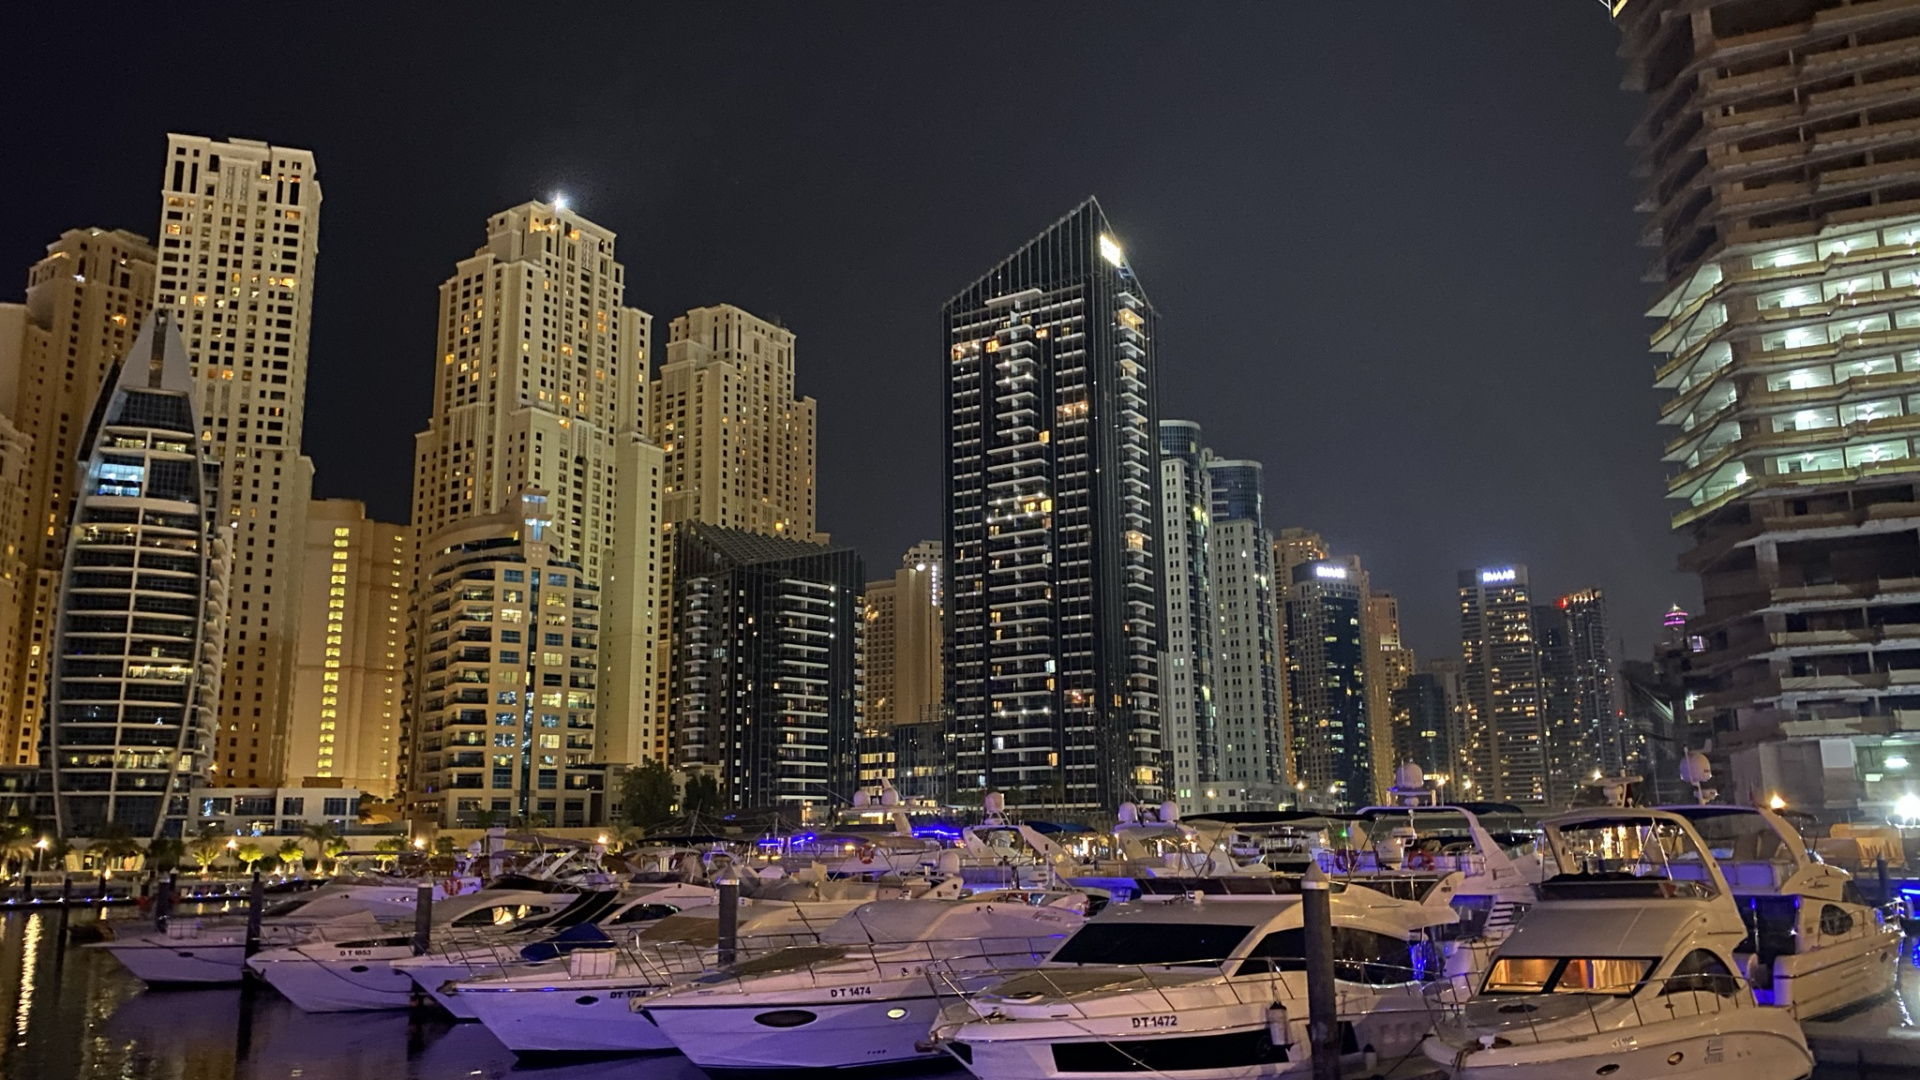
40 854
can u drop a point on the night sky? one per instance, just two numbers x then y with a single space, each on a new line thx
1391 243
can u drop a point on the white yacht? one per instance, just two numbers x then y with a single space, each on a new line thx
867 994
1624 970
1490 891
1814 945
597 923
189 951
357 973
1205 988
586 1003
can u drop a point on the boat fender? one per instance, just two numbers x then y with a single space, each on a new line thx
1277 1024
1370 1058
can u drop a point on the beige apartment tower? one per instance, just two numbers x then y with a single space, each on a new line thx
239 233
739 446
350 663
85 302
1390 664
903 643
541 386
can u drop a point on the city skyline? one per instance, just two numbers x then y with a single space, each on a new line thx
1597 520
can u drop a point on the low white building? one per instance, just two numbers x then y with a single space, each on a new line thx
273 811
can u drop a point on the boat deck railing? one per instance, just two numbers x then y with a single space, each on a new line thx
1464 1019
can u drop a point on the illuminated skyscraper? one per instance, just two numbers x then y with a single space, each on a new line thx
85 302
1249 604
766 681
541 389
142 604
1328 725
351 659
1783 201
1053 525
904 616
1187 692
239 234
1506 738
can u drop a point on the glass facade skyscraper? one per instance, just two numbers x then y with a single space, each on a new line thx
1327 717
143 605
1053 525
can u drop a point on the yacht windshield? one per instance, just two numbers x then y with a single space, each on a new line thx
1565 975
1151 943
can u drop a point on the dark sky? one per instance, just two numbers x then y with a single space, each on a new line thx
1391 243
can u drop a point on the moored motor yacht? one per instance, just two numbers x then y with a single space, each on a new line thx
1814 945
1210 987
583 1004
1624 969
869 992
189 951
599 922
357 973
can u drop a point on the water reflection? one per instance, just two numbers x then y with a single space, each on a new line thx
76 1013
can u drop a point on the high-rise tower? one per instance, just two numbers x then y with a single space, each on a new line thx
1186 676
1331 733
239 233
142 602
905 615
1053 524
739 445
85 302
1249 603
351 659
1783 201
1506 738
541 389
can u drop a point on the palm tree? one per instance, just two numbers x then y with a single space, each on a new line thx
390 850
332 850
318 834
206 849
290 854
166 853
16 842
249 853
114 844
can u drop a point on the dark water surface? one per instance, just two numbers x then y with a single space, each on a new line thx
73 1012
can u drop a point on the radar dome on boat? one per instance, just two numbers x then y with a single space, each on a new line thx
1695 768
993 802
1128 813
860 798
1169 811
889 797
1409 777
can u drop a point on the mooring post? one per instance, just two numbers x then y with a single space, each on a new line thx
729 919
422 919
1323 1020
256 900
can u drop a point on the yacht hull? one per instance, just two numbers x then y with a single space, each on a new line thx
1236 1042
352 984
1698 1051
1835 977
567 1020
842 1034
183 962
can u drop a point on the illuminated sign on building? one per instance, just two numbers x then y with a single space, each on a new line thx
1491 577
1109 250
1338 573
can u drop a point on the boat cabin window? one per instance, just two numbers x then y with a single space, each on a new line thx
644 913
1700 970
1834 920
1150 943
499 915
1565 975
1358 956
1282 950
